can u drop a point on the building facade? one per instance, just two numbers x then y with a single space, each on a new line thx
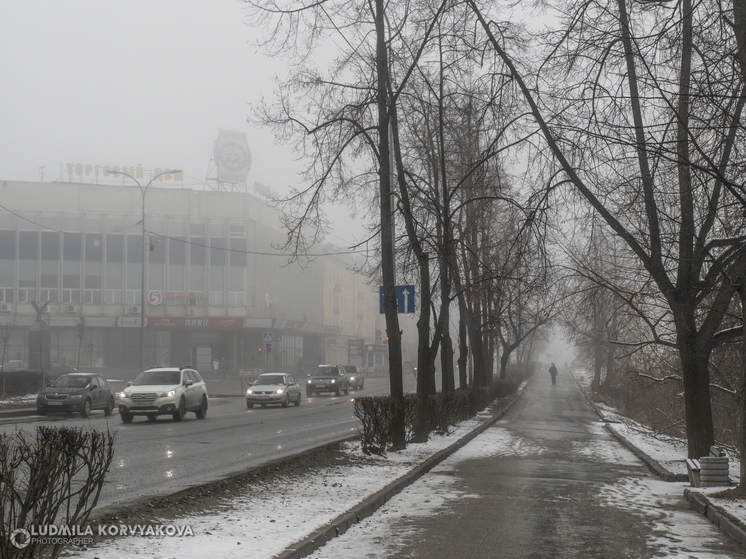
217 288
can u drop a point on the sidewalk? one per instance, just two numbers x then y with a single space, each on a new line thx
546 481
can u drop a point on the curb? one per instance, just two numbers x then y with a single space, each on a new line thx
21 412
653 465
696 500
717 515
368 506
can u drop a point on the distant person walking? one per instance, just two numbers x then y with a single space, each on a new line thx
553 372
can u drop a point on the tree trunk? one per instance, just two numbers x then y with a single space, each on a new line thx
742 388
424 361
393 332
446 363
598 359
698 411
463 344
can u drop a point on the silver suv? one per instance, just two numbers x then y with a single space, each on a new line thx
158 391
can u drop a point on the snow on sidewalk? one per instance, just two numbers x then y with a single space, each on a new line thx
271 517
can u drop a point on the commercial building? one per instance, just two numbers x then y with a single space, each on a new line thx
217 287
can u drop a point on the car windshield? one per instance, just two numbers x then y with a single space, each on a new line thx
71 382
349 370
324 371
270 379
158 377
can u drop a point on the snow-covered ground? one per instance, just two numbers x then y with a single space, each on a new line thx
269 519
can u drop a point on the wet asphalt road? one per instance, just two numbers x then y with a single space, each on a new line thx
165 456
564 489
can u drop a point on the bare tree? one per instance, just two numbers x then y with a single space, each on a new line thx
652 141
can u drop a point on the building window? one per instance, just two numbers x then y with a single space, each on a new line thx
238 253
92 296
236 299
217 299
114 297
238 231
71 296
48 295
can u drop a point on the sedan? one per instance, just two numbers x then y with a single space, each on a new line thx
327 378
355 377
77 392
14 365
273 388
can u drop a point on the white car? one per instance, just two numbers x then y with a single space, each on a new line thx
273 388
158 391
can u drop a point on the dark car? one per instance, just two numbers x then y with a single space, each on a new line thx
327 378
77 392
355 377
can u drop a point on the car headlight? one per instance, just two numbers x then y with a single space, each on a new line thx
121 394
334 380
310 381
169 394
249 391
76 396
280 391
352 379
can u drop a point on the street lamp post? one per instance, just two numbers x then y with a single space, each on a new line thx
144 254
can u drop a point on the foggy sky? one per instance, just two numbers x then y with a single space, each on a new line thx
139 82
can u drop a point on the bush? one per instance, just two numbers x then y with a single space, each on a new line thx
22 383
54 476
376 413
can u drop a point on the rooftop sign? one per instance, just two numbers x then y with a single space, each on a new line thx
91 170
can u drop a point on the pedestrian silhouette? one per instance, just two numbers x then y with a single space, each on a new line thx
553 372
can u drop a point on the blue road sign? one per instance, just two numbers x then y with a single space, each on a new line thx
404 299
267 337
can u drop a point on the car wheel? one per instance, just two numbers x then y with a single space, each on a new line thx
152 417
336 391
202 411
179 415
286 401
41 412
362 384
86 410
249 405
126 417
309 393
297 402
109 409
347 390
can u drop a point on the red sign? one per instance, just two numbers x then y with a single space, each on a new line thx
172 322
